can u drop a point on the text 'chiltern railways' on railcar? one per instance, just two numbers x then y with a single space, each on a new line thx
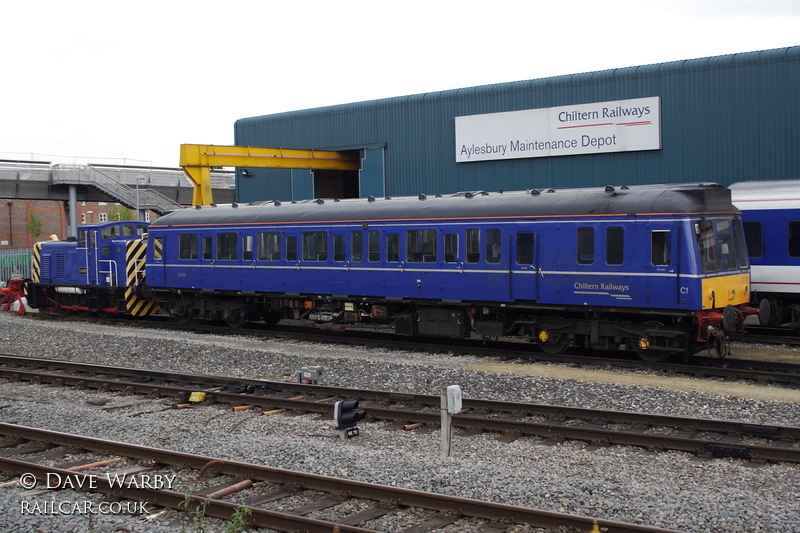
660 269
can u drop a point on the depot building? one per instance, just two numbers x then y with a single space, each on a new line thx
722 119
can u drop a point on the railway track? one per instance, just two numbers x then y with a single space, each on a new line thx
727 368
36 459
510 420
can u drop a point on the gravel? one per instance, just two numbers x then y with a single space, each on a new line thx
671 490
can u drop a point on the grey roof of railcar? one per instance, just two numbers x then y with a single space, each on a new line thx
640 199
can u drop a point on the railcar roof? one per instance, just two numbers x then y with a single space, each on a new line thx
640 199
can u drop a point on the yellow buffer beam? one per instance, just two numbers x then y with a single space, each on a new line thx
197 160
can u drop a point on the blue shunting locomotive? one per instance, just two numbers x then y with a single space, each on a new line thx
659 269
96 273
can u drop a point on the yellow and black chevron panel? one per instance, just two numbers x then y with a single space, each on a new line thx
36 268
135 256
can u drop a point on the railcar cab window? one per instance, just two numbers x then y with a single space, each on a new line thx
82 238
356 246
707 246
793 245
227 244
585 246
374 246
753 235
726 246
421 246
127 230
187 246
524 248
451 247
741 246
659 248
269 246
493 241
392 248
207 255
315 246
615 245
473 245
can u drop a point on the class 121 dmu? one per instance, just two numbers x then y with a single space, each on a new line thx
659 269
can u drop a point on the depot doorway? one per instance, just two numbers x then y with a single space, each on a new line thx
336 184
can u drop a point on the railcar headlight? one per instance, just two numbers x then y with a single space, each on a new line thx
733 294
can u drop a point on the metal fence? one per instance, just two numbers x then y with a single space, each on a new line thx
15 263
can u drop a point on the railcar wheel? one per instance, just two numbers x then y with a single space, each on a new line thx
234 319
83 313
181 314
649 355
718 347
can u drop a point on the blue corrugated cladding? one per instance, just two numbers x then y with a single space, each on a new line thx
724 119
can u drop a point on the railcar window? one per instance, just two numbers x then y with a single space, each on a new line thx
753 236
187 246
392 248
726 248
141 230
356 246
82 238
421 245
227 244
374 246
127 230
615 246
315 246
585 246
207 249
338 248
247 247
291 247
93 239
268 246
109 232
473 245
493 240
707 246
794 238
451 247
659 248
524 248
741 247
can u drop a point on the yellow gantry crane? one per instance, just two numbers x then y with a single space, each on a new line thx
198 159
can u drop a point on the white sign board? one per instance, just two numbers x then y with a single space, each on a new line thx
620 126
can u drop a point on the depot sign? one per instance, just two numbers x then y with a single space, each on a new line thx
619 126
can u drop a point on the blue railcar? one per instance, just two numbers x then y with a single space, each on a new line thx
660 269
90 274
771 218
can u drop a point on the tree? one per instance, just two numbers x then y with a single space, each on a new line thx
120 212
34 225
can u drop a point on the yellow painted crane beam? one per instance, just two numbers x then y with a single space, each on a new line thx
197 161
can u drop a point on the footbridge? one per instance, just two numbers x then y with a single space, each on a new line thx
139 188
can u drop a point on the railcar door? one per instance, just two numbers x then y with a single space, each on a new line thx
452 267
394 266
423 262
340 274
664 286
91 258
486 271
291 266
227 262
524 269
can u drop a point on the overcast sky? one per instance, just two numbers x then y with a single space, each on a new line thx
129 82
